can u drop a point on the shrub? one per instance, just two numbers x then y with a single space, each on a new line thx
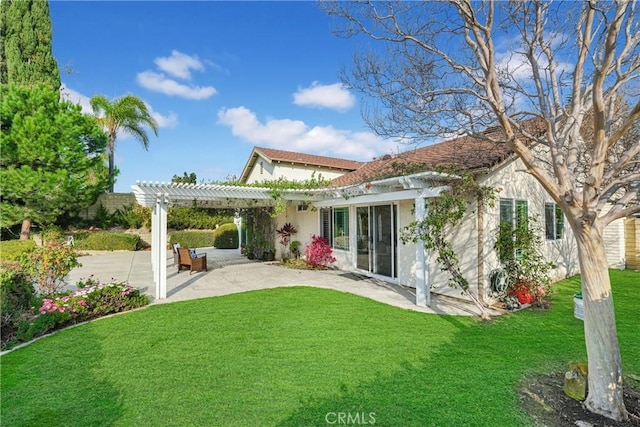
285 233
90 301
133 216
181 218
193 239
16 295
519 250
48 265
226 237
12 250
295 248
107 241
319 253
52 233
102 217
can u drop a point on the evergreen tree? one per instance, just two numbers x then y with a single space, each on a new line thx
26 57
52 160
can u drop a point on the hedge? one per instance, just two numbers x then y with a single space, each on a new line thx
193 239
10 250
181 218
106 241
226 237
16 294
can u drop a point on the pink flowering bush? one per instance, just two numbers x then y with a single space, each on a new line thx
91 300
319 253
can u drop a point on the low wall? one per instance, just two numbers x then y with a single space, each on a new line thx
111 201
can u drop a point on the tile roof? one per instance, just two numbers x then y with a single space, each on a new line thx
308 159
463 154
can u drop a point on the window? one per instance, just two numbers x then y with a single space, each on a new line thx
261 168
514 218
553 221
334 227
341 228
514 212
325 225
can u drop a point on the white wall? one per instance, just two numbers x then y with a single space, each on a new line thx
514 183
292 172
307 223
406 252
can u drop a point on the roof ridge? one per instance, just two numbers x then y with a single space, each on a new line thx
309 154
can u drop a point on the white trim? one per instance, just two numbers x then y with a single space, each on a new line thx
393 196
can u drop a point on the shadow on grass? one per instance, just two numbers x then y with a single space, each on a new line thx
470 380
31 392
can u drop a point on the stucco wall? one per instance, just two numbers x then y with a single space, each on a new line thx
307 223
294 172
514 183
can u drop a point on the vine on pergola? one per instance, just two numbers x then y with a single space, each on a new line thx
444 212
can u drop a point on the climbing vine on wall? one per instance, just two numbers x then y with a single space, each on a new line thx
444 212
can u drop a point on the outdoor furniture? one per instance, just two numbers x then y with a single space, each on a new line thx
189 260
176 255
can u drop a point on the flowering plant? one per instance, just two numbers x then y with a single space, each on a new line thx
319 253
48 265
91 300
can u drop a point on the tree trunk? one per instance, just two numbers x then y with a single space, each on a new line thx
111 149
603 352
111 164
25 230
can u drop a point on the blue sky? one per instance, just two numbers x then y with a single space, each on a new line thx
220 77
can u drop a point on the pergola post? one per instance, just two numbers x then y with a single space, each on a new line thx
162 245
237 220
159 244
154 245
423 286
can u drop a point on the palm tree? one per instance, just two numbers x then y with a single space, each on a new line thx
128 114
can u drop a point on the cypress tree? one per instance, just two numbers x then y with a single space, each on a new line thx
26 57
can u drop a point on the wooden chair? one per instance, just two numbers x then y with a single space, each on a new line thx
186 262
176 255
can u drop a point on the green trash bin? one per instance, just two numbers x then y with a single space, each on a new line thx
578 306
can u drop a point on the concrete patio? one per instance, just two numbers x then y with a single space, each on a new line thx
230 273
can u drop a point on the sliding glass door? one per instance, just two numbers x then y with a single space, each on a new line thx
376 239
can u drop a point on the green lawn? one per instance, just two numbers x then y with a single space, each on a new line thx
290 356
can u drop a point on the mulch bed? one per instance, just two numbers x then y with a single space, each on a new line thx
545 402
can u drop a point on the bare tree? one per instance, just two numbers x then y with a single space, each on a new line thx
570 69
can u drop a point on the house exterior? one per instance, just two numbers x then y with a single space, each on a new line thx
266 164
365 227
364 210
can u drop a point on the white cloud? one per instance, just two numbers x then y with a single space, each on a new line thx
295 135
169 121
158 82
179 64
76 97
335 96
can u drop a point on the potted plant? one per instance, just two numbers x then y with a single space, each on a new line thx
295 248
250 251
268 252
285 233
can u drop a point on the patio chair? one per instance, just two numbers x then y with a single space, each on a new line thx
176 255
189 260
